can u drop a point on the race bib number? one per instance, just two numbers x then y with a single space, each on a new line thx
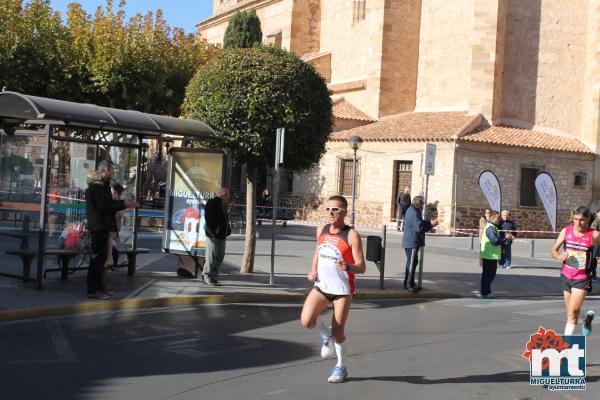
576 259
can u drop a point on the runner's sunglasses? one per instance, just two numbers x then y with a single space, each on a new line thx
335 209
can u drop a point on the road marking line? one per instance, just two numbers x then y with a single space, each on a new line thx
29 362
60 341
542 312
515 303
156 337
140 289
273 393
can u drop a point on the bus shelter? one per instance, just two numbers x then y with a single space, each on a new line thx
49 149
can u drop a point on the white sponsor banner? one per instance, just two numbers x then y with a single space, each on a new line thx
544 184
491 189
429 168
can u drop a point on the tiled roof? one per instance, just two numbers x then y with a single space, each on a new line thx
509 136
414 126
337 88
344 110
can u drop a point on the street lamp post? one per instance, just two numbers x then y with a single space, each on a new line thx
17 171
354 142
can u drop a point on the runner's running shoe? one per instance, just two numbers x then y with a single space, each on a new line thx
327 348
586 329
338 375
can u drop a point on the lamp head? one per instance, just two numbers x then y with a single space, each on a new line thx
355 142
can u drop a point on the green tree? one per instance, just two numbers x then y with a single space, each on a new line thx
12 163
140 64
80 53
246 94
104 59
243 30
33 49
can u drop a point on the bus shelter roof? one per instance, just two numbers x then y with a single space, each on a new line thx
18 108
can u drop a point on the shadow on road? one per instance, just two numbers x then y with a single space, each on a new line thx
502 377
77 357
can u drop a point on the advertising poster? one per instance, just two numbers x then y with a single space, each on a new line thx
491 189
194 177
544 184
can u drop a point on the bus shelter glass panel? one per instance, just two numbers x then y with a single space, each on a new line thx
21 167
73 167
125 161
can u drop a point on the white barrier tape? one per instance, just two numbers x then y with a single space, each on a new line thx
315 223
55 196
459 231
553 232
466 230
268 207
500 230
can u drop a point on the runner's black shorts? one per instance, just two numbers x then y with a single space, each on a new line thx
568 284
329 296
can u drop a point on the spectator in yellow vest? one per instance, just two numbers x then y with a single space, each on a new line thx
490 250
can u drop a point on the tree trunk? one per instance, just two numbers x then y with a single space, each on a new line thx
250 246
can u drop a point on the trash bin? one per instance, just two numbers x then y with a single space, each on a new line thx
374 248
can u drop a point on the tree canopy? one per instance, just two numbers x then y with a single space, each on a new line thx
246 94
33 48
12 163
140 63
243 30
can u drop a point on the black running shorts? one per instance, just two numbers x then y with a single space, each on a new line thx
568 284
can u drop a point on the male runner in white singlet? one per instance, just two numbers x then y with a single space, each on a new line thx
338 257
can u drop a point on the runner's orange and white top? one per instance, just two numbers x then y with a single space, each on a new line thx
331 249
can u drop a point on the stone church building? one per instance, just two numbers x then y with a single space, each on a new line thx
503 85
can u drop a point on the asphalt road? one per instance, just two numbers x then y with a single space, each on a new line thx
414 349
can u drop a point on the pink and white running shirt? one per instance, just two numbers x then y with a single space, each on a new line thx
578 249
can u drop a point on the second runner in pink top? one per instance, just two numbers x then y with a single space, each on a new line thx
578 249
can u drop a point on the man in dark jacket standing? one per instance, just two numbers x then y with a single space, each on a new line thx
506 226
414 238
217 229
101 216
403 202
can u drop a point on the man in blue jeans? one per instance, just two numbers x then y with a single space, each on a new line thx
414 238
506 226
217 229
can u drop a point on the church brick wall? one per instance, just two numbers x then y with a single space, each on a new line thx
545 61
444 84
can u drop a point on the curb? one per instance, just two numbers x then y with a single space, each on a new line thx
133 304
402 294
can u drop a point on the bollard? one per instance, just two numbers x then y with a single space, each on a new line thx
472 245
376 253
383 244
532 243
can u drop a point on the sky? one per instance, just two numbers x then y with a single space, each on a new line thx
178 13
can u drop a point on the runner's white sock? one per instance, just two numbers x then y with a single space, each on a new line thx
569 329
340 349
324 330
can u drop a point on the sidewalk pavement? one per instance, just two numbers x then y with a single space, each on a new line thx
450 270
